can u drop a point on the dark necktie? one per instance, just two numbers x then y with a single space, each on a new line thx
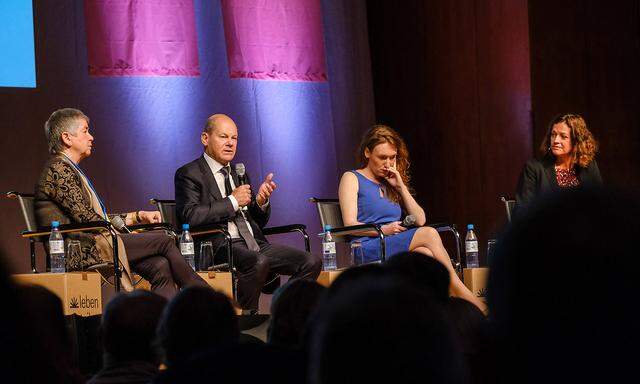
239 220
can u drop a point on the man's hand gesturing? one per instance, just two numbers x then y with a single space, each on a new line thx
266 189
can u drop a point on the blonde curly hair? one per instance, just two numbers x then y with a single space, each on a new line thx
584 144
379 134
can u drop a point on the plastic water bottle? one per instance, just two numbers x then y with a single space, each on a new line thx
328 250
471 248
186 246
56 249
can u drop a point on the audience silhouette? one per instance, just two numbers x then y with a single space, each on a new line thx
292 305
561 292
562 286
127 333
383 329
35 346
197 319
423 271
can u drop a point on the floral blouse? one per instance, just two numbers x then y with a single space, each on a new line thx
567 178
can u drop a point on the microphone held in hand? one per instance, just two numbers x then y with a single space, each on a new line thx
119 224
409 221
242 178
241 171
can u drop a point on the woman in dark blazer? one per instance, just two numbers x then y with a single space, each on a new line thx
568 160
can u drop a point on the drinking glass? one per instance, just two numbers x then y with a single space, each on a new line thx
357 253
205 258
74 251
491 248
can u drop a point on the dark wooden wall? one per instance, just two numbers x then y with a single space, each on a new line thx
472 85
585 58
453 78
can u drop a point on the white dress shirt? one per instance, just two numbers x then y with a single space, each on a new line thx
216 167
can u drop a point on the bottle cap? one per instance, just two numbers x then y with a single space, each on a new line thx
55 224
469 226
327 227
185 227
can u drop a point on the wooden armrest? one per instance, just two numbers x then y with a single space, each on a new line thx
442 226
284 229
69 228
347 230
156 201
202 230
15 195
300 228
151 227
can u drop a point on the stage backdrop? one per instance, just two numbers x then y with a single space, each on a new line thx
145 127
472 85
585 58
460 95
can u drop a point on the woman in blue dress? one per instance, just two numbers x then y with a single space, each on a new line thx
378 192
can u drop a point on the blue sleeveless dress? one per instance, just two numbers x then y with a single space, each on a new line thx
372 208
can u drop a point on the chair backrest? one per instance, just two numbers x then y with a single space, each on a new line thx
509 205
167 210
329 212
26 206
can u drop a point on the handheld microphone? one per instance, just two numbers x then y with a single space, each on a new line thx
409 221
118 223
242 179
241 171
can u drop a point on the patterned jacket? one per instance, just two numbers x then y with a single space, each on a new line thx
61 195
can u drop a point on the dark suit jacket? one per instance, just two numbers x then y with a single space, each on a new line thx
539 176
199 201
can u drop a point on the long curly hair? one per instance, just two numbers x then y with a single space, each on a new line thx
379 134
584 144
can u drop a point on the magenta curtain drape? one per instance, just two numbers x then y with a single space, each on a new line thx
274 39
141 38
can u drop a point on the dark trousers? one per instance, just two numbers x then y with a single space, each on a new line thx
253 267
155 257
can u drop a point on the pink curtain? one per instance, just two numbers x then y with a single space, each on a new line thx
275 39
141 38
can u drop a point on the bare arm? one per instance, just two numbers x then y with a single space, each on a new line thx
412 207
408 202
348 196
